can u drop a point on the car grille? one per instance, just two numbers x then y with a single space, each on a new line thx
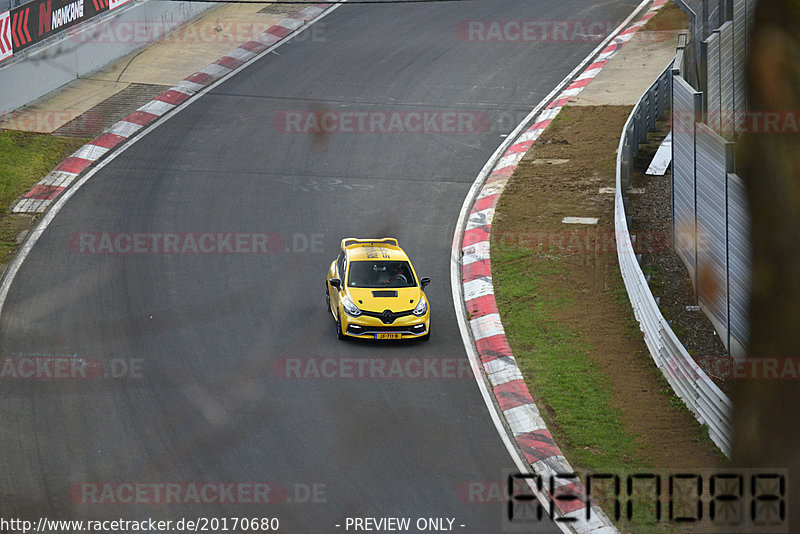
387 316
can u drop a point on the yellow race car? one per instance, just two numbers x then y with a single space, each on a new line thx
374 293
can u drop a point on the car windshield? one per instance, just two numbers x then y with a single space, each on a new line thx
376 274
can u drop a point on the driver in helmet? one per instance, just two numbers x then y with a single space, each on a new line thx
396 274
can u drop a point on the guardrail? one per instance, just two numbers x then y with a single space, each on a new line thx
708 403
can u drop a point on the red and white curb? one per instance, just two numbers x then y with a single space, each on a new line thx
51 186
496 361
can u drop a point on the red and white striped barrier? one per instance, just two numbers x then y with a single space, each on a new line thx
505 379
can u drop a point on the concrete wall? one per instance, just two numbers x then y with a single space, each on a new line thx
89 47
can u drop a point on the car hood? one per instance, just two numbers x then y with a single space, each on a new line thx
395 299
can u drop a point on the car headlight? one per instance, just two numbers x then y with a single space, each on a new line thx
350 308
422 307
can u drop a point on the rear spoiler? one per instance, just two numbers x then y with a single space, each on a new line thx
349 241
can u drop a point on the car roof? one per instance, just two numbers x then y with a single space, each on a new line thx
386 249
375 253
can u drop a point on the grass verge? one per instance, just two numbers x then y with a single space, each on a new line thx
555 360
24 158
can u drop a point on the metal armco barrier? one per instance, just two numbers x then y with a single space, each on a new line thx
709 404
35 21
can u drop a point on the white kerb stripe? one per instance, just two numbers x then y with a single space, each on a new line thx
509 161
554 465
31 205
524 418
124 128
494 188
476 252
480 218
592 526
90 152
312 11
58 178
591 73
502 371
241 54
186 87
477 288
549 114
571 92
216 70
290 24
501 364
531 135
157 107
486 326
267 38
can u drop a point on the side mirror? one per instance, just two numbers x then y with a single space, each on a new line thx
424 282
335 282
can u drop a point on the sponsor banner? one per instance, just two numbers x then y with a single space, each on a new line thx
6 49
35 21
114 4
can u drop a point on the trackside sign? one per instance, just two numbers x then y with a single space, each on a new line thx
35 21
114 4
6 50
64 15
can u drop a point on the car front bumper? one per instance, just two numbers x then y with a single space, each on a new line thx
408 327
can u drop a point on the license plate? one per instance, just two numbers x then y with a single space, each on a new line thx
387 336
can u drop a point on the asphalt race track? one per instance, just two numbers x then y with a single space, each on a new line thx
202 341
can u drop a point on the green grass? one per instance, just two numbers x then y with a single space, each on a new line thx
556 362
24 159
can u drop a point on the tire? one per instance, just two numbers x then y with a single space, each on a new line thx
327 298
426 337
339 333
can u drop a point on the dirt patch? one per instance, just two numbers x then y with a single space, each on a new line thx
670 17
530 213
